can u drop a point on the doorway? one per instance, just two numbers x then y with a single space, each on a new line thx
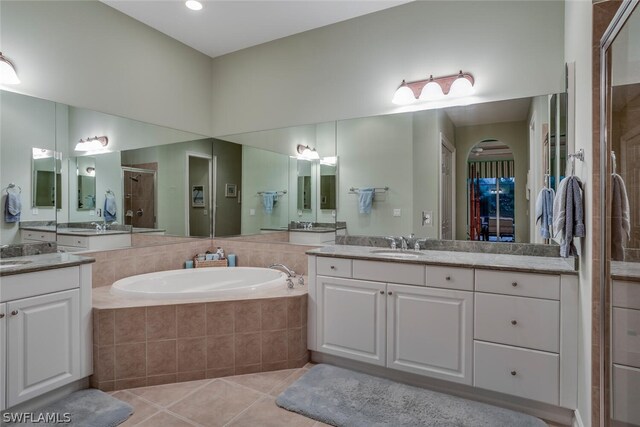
200 203
139 188
491 192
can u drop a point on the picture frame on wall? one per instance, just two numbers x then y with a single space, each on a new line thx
230 190
197 196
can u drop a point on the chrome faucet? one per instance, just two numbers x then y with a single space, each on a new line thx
406 241
99 227
392 242
290 272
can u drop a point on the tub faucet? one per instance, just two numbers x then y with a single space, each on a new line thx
290 272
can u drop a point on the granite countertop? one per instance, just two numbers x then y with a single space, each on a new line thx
314 230
148 230
88 232
530 264
33 263
50 228
625 271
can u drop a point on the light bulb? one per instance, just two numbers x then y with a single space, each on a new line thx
404 95
193 4
431 91
461 87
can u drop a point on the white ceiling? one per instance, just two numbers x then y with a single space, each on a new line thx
511 110
226 26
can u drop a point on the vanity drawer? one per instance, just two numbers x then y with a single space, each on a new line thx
40 236
336 267
18 286
519 284
450 277
523 322
626 336
77 241
626 294
626 394
526 373
406 274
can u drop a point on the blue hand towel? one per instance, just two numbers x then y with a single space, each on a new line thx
544 211
365 199
110 207
268 200
12 207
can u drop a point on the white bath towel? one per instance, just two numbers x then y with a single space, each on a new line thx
620 217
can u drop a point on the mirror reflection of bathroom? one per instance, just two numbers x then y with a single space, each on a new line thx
491 195
86 170
139 189
44 180
304 184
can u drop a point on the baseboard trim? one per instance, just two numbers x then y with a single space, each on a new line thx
545 411
577 419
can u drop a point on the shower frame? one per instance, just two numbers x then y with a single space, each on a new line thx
124 169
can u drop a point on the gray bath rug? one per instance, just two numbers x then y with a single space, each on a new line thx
84 408
341 397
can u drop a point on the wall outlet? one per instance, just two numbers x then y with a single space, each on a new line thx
34 211
427 218
252 212
205 212
333 213
397 212
92 212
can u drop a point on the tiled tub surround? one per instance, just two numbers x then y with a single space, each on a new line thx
114 265
144 346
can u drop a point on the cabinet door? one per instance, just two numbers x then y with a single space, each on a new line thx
351 319
3 347
430 332
43 345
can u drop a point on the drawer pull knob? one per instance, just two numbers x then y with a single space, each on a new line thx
448 278
1 315
514 322
14 313
333 267
514 373
390 293
381 292
514 284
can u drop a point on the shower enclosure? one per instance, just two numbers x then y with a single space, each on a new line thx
139 190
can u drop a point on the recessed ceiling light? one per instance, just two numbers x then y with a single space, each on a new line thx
193 4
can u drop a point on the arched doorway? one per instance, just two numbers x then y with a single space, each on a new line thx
491 192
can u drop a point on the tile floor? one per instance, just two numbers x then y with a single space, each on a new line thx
241 400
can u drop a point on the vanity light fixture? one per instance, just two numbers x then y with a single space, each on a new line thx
8 73
193 4
434 88
307 153
95 143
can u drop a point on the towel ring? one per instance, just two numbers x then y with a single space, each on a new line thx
12 186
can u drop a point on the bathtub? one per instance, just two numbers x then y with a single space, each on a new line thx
200 283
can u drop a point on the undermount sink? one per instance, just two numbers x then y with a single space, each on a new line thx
397 253
11 263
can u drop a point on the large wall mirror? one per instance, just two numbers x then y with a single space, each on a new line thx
466 172
620 209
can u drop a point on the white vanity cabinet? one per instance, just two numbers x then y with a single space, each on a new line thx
45 332
32 236
351 316
510 332
626 351
430 332
406 326
3 340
